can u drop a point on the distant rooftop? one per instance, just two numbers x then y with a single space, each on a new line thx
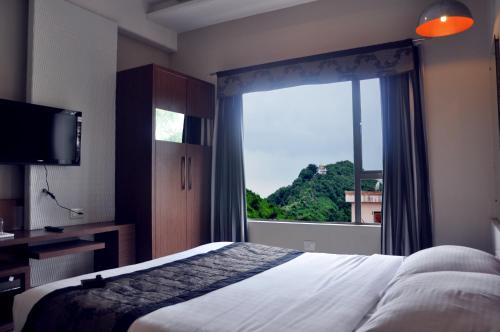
366 196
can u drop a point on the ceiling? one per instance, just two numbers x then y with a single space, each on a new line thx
186 15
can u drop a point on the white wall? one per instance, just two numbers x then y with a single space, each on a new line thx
318 27
72 65
13 31
462 133
457 90
134 53
131 17
496 19
330 238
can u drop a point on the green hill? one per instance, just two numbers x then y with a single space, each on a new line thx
311 197
260 208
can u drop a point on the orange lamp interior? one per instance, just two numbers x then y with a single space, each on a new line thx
451 26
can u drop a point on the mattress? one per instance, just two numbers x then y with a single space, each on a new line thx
313 292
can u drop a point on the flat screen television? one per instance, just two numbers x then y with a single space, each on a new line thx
34 134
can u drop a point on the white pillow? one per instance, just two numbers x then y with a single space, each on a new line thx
449 258
439 302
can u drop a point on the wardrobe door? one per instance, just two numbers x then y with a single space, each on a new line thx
170 91
200 99
198 194
170 199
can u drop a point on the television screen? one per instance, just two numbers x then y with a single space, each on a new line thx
35 134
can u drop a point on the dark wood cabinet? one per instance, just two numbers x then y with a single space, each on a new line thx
170 90
163 158
170 188
198 189
200 99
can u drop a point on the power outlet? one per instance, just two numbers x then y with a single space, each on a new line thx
73 214
309 246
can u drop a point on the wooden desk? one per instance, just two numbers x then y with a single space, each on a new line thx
113 246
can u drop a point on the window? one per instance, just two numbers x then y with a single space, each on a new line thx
305 157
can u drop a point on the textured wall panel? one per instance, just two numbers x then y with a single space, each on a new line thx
57 268
72 64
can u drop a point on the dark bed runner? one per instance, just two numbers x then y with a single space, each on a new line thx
119 301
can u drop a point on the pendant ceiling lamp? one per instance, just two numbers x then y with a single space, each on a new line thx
444 18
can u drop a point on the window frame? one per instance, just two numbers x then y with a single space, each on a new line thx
359 172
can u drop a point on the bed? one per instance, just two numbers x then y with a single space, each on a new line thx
445 288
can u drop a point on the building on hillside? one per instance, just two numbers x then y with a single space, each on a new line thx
371 206
322 170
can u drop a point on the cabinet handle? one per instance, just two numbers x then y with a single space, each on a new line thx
189 173
183 173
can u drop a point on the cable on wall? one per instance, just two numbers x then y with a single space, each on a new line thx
53 196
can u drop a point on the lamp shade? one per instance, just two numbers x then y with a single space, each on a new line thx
444 18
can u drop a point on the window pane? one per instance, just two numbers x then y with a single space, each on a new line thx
371 124
169 126
298 150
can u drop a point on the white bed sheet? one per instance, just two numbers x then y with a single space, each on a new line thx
314 292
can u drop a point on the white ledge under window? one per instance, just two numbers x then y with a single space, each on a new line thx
337 238
337 223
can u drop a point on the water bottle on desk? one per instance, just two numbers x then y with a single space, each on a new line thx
3 234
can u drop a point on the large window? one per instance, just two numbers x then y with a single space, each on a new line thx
314 153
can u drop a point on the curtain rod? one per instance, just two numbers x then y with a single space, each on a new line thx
364 49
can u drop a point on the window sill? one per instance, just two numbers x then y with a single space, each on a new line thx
319 223
335 238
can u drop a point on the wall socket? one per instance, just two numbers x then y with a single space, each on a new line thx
74 215
310 246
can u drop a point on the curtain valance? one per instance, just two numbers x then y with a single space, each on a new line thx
361 63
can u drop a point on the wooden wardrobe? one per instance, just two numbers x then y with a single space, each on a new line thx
164 129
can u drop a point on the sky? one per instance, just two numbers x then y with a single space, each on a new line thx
287 129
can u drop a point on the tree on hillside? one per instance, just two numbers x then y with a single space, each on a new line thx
308 173
259 208
310 197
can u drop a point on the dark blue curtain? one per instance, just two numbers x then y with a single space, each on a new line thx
407 225
229 195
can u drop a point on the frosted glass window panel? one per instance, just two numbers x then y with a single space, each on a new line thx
371 124
169 126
